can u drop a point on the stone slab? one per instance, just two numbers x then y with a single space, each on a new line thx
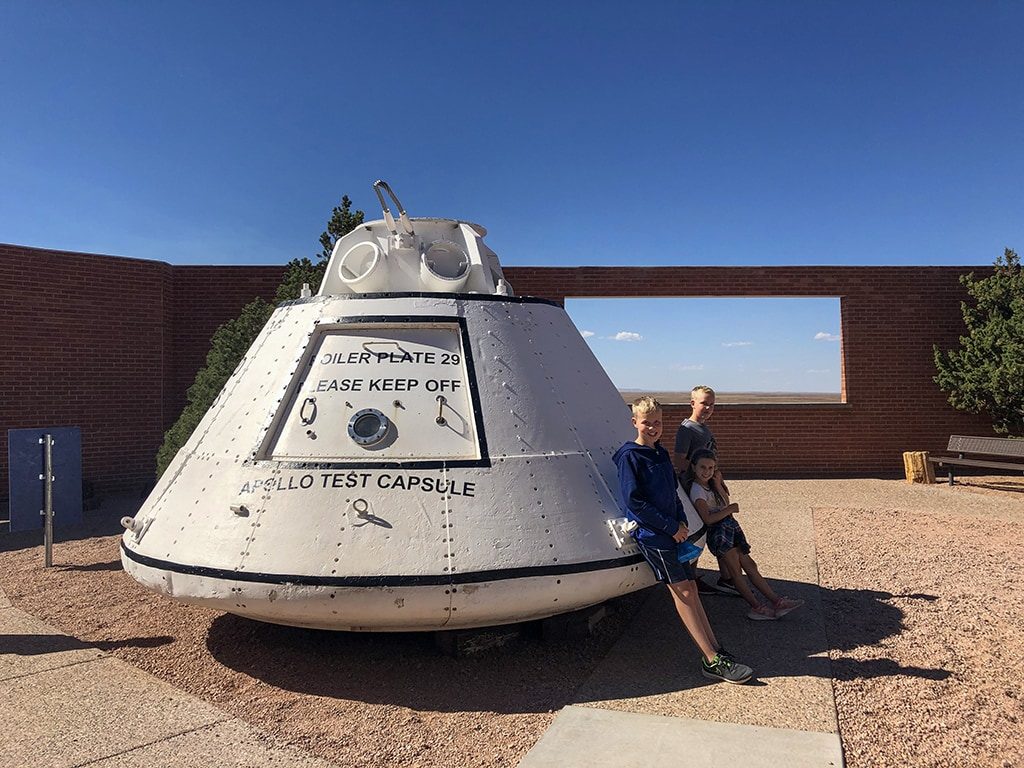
65 717
230 744
592 738
28 646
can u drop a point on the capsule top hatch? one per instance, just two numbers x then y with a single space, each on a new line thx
412 255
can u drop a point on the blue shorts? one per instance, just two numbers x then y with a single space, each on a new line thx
726 534
666 568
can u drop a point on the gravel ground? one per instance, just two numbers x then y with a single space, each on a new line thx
926 628
923 615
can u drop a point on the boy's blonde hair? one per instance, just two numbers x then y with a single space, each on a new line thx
645 404
702 389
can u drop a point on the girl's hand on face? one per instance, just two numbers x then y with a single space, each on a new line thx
717 478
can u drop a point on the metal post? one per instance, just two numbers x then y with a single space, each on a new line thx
48 512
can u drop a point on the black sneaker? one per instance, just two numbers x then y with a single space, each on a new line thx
726 670
725 654
726 587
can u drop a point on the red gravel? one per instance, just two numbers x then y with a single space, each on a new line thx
925 621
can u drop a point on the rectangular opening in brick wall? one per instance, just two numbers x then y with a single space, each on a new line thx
750 350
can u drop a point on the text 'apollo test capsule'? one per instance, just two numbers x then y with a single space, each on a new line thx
412 448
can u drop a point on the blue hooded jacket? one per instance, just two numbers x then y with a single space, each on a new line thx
647 482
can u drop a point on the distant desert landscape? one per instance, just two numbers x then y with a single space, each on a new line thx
733 398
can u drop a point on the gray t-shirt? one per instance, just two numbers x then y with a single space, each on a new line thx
692 436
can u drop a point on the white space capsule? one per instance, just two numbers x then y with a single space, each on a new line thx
412 448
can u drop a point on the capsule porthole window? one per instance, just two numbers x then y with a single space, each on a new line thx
368 427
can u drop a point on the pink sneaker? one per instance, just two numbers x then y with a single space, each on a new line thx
785 605
762 612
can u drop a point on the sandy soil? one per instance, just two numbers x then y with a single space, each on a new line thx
923 615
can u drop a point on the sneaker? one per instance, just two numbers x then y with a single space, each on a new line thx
763 612
726 587
785 605
725 669
725 654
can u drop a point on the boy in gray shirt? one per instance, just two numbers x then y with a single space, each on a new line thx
693 435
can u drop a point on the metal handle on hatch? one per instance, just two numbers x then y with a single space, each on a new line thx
403 216
307 420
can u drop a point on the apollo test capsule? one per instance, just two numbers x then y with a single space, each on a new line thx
412 448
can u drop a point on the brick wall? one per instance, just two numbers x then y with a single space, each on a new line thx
111 344
84 341
205 298
890 318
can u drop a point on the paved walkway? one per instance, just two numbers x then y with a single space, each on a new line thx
65 703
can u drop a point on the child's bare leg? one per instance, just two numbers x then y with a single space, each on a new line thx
707 624
723 569
732 560
750 567
690 610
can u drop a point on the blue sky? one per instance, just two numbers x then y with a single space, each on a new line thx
577 133
757 344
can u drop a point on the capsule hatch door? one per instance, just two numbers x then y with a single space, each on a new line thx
388 392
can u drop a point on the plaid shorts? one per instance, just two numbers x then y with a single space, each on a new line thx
726 534
667 569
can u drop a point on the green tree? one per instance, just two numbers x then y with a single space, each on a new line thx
229 343
232 340
986 372
343 220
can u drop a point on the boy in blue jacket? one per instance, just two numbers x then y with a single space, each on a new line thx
648 484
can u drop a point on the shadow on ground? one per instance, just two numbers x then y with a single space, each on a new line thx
1008 486
408 669
36 645
529 675
113 565
654 657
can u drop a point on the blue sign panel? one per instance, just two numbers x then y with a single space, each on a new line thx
27 463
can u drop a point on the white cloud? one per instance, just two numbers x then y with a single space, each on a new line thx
626 336
822 336
737 343
586 334
679 367
818 370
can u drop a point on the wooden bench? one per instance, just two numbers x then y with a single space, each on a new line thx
963 445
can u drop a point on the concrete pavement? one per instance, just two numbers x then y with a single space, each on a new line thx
627 740
66 704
